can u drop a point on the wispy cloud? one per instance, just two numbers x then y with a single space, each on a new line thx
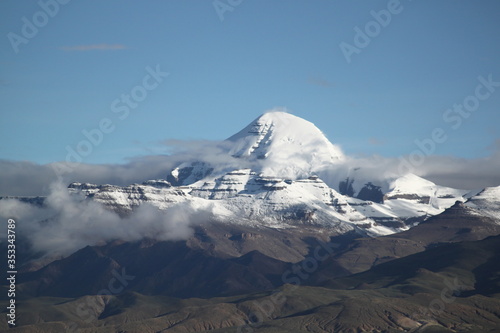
317 81
20 178
67 222
94 47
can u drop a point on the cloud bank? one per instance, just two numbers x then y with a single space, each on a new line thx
20 178
67 222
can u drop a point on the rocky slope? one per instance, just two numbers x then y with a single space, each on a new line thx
450 288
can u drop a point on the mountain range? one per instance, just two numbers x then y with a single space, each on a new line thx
285 238
292 175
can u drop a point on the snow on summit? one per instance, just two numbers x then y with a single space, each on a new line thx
272 173
488 201
285 146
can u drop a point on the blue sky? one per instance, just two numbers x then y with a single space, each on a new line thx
225 72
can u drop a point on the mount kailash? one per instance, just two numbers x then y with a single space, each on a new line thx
282 172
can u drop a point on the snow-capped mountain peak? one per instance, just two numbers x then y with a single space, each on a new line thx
272 173
413 185
487 201
285 145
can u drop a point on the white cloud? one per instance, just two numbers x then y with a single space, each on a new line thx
30 179
67 222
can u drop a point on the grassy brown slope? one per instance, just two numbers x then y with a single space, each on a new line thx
458 223
451 288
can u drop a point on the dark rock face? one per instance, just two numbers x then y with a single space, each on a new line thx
345 187
190 174
37 201
419 199
371 192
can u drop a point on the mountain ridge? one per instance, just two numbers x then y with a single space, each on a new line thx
280 185
216 243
